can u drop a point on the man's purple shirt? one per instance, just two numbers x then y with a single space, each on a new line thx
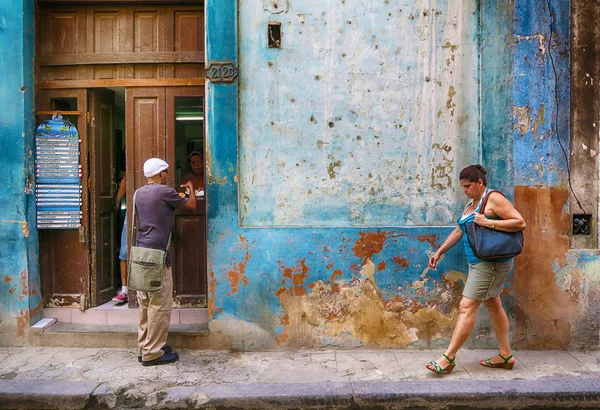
154 206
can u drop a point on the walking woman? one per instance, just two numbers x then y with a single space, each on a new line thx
486 279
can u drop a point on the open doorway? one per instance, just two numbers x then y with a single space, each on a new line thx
107 211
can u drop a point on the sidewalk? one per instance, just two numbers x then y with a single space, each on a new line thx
43 377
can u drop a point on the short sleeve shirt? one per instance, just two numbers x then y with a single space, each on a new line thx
154 206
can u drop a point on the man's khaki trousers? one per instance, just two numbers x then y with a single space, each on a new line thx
155 316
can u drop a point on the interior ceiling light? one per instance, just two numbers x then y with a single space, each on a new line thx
189 118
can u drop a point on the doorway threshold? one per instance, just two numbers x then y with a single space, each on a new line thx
97 327
112 313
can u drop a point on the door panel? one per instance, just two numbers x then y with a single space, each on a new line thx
102 193
64 253
145 132
189 240
145 138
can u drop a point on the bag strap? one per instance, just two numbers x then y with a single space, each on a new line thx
133 227
484 203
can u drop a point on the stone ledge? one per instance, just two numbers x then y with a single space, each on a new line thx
45 394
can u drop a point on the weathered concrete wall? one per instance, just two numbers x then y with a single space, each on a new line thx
19 275
318 286
363 117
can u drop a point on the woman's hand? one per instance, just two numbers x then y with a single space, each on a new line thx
481 219
433 260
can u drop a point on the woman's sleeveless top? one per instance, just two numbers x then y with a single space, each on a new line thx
471 258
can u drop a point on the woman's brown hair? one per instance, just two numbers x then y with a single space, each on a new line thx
473 173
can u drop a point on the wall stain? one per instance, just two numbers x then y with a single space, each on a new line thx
401 261
522 119
331 169
212 286
449 103
334 311
369 244
7 279
431 238
294 278
546 315
539 120
381 266
336 273
24 284
22 322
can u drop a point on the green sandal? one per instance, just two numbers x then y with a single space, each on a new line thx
506 365
437 369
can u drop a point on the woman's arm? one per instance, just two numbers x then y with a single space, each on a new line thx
120 193
500 207
452 239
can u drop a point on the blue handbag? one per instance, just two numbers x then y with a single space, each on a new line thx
490 244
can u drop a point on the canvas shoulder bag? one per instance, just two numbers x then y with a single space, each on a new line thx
145 266
490 244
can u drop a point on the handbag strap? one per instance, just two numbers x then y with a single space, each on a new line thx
484 203
133 241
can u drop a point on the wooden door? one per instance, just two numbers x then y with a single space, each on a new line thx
64 253
145 138
103 188
189 231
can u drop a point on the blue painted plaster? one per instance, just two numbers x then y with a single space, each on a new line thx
346 126
535 137
247 266
19 281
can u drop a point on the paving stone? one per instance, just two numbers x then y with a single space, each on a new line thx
370 365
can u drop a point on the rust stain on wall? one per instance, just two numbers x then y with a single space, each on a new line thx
24 284
431 238
22 322
237 275
546 316
212 286
335 274
295 275
401 261
381 266
369 244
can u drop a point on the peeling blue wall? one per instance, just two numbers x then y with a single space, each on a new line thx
347 125
19 280
536 113
335 286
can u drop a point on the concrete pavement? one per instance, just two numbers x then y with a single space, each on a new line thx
77 378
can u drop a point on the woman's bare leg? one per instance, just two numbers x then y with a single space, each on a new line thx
464 326
501 327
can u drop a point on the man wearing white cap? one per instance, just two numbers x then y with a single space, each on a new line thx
155 204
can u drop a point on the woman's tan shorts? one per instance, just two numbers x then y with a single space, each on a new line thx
486 279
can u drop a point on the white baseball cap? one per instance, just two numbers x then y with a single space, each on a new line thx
153 166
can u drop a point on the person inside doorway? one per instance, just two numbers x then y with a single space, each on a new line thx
196 175
121 296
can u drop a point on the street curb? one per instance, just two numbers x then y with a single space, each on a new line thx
559 392
45 394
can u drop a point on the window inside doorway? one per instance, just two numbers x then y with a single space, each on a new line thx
189 141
